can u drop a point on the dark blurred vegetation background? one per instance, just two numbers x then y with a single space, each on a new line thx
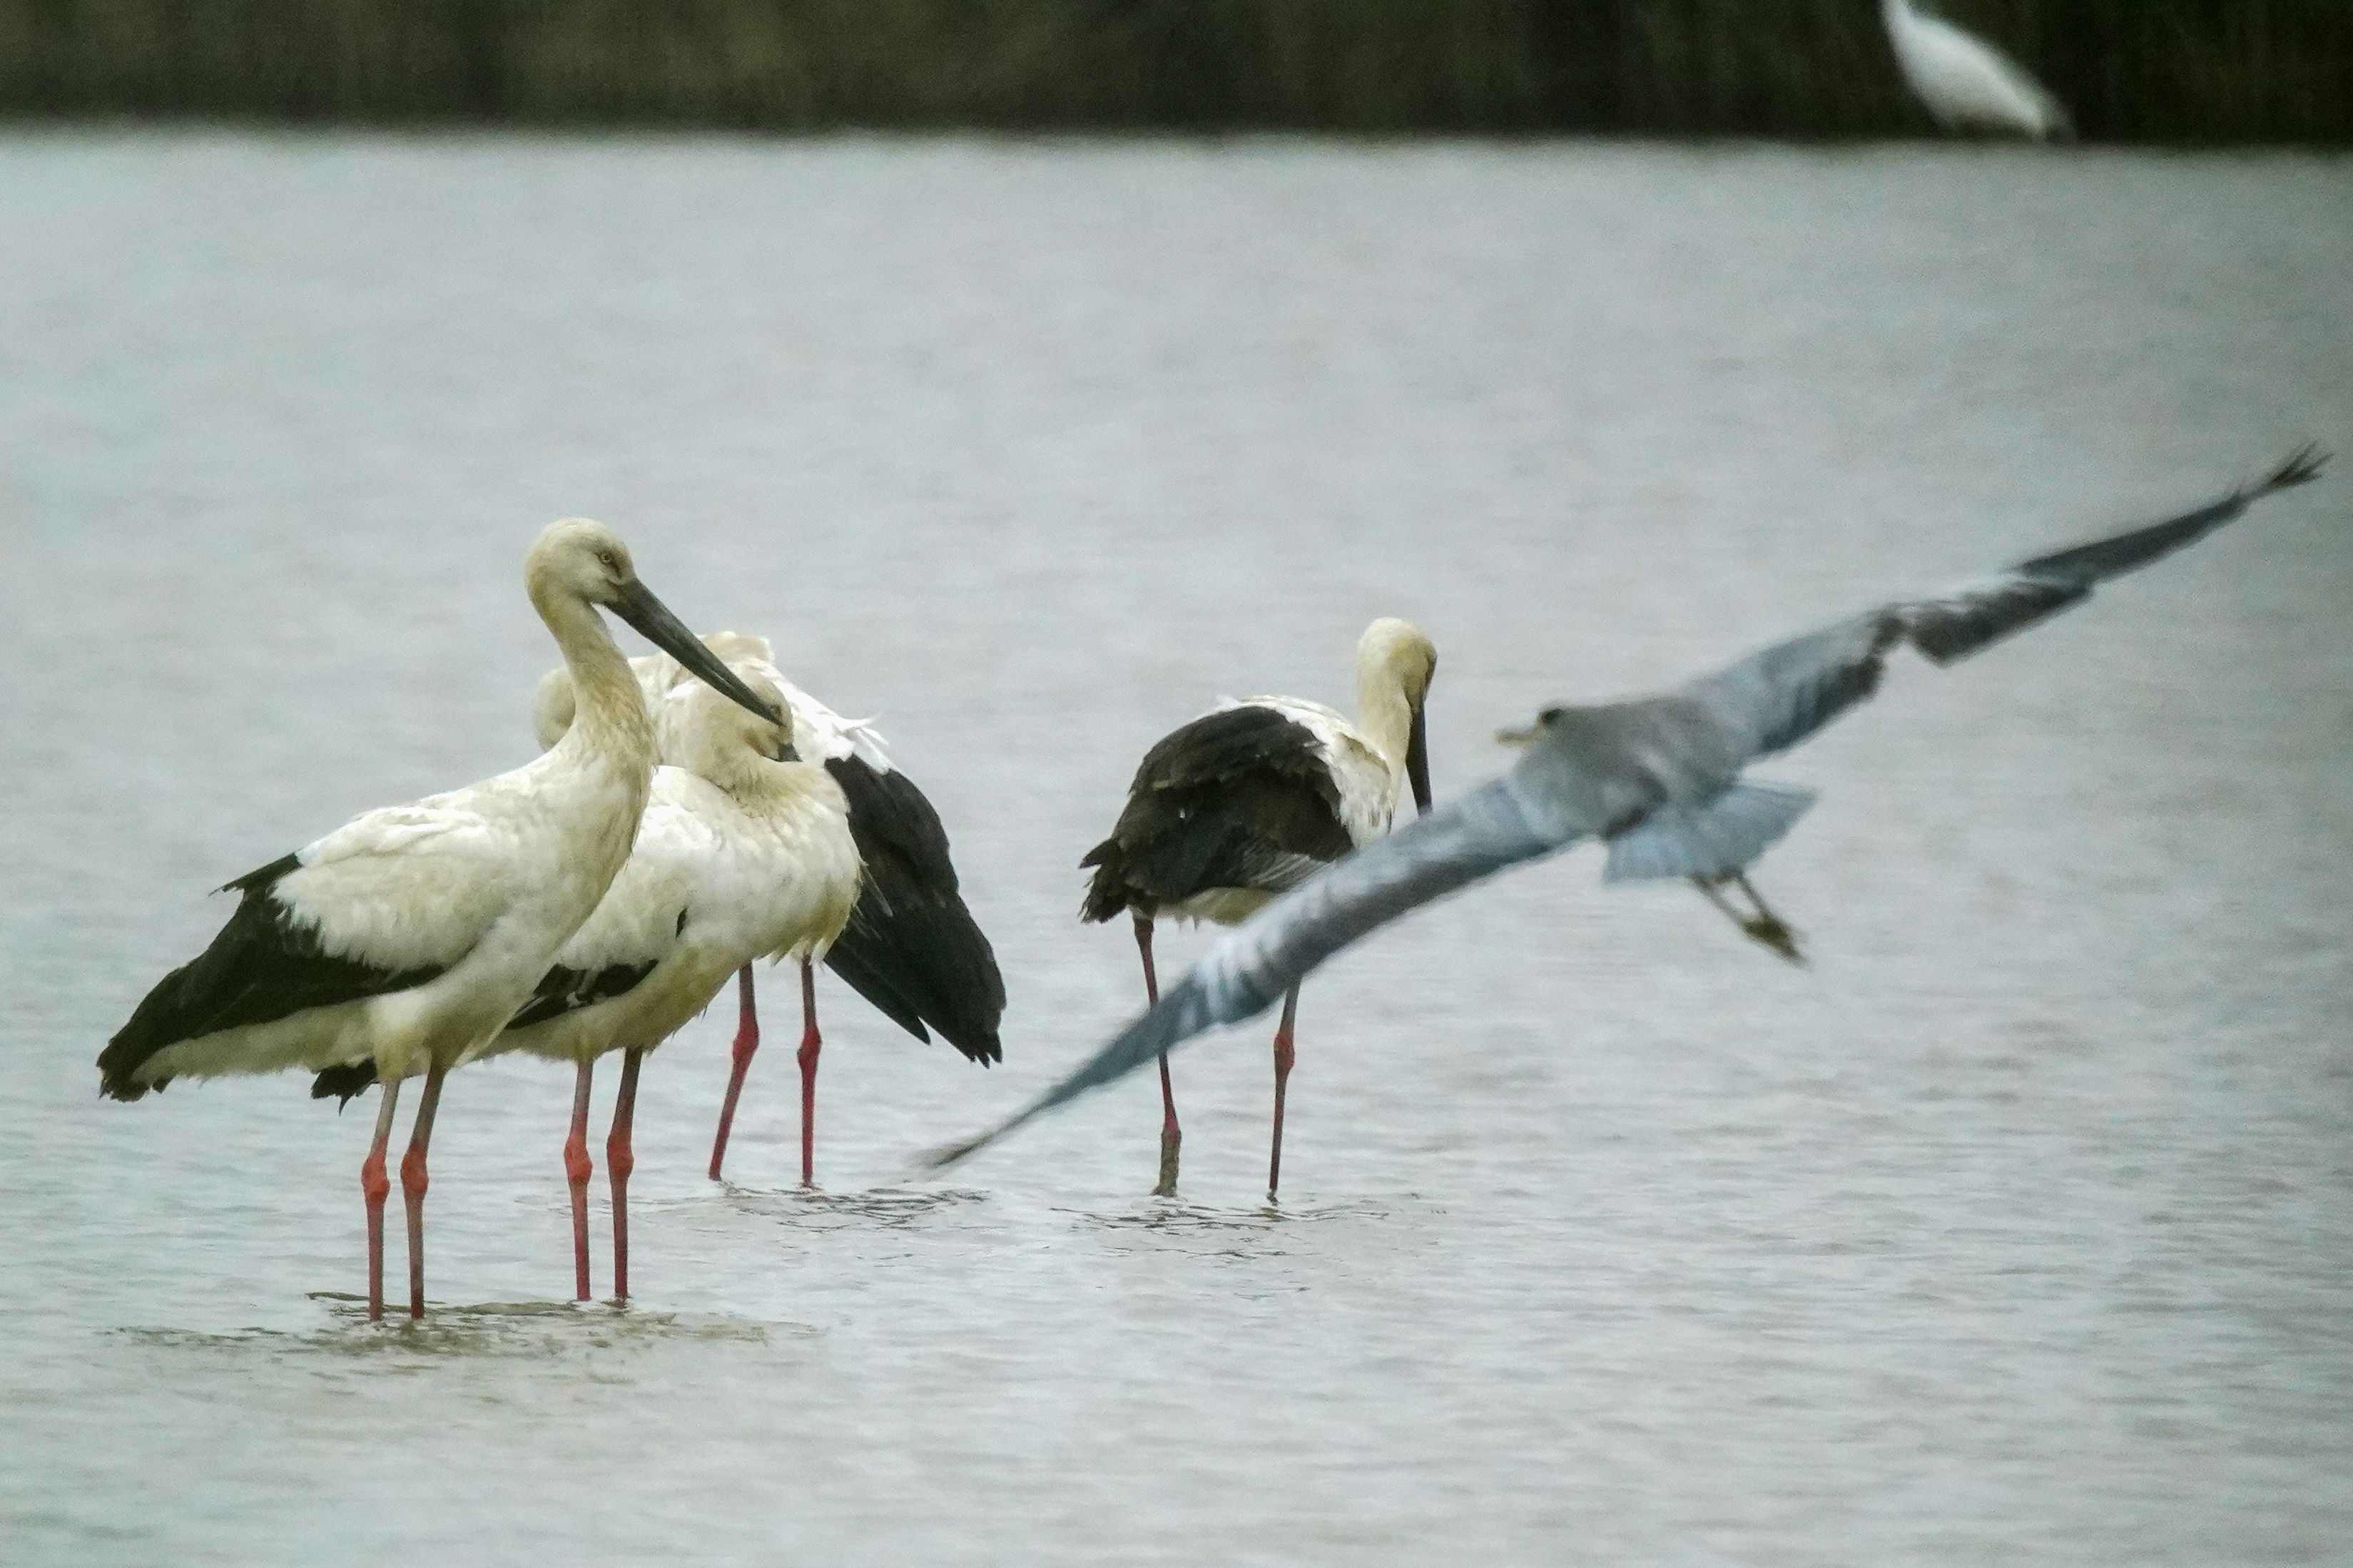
2185 70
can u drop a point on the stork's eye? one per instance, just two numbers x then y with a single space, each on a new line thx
1552 715
610 562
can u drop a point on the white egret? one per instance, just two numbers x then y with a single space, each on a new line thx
1967 83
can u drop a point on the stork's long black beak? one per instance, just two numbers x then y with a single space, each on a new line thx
1417 761
636 603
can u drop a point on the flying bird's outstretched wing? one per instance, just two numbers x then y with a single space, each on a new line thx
1248 970
1615 770
1771 700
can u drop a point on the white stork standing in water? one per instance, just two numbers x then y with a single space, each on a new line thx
408 937
744 851
912 947
1248 802
1967 83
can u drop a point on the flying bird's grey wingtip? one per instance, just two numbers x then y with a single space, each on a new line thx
2303 467
933 1161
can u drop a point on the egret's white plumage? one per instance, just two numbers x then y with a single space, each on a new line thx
1251 799
409 936
1965 82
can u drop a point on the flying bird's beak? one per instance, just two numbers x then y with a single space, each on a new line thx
1417 761
652 619
1519 737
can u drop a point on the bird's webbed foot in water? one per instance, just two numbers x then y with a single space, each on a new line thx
1759 924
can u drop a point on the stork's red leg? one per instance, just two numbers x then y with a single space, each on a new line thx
620 1161
1172 1137
375 1186
1283 1054
747 1040
811 1042
576 1172
413 1184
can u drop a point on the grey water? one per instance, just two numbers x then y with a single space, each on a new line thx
2018 1227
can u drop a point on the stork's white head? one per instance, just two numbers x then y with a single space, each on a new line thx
580 558
704 734
576 562
1396 653
1395 662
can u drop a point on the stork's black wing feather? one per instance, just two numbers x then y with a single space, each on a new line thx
1233 742
562 989
559 991
265 964
912 947
346 1082
1237 798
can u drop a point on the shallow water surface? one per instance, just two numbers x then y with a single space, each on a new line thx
2016 1229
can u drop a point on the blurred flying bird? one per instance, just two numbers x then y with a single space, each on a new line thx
1658 779
1250 800
407 938
1965 82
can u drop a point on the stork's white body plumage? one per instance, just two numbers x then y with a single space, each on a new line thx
408 937
483 884
912 947
741 853
1965 82
714 881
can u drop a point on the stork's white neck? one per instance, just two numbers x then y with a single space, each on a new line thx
609 716
1384 715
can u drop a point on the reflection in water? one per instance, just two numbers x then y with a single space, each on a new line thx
530 1329
890 1209
1176 1217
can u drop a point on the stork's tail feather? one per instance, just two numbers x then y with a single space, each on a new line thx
346 1082
1108 894
926 963
1714 840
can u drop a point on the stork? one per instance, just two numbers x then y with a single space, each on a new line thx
408 937
1967 83
1659 779
744 851
912 947
1250 800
